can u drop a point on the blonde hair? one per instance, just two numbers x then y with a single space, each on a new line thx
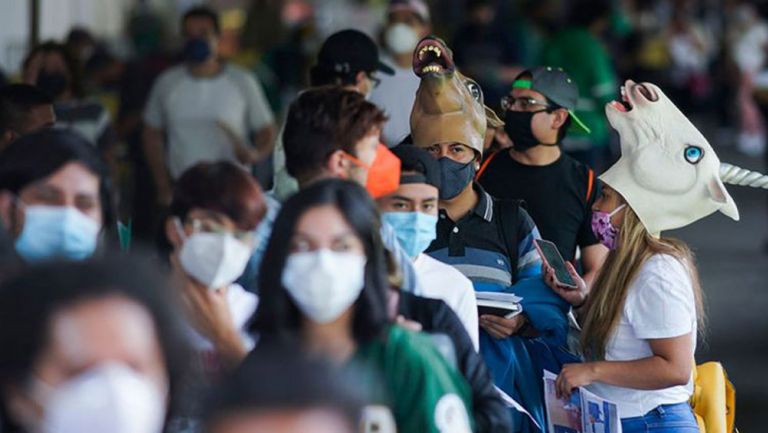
609 292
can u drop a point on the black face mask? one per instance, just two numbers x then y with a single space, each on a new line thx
517 125
454 177
197 51
53 84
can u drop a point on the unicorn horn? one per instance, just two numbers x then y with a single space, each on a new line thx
734 175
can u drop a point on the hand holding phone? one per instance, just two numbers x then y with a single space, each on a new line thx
551 256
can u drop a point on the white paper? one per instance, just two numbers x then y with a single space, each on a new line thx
510 402
583 412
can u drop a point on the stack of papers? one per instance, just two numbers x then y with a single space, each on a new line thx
501 304
584 412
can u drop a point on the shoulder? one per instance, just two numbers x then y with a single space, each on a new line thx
239 75
664 266
445 271
663 275
171 75
170 78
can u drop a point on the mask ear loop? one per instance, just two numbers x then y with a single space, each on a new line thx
622 206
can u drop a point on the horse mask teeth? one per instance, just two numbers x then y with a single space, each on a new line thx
445 110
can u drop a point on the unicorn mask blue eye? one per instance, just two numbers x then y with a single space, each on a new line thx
668 172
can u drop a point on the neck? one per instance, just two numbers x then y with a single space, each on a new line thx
333 340
537 155
404 60
462 204
208 68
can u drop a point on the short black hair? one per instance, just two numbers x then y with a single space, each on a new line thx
202 12
277 315
38 155
323 120
31 298
278 377
16 100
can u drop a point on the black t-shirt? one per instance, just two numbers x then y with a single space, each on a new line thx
556 197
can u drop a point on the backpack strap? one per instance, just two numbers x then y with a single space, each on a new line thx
485 164
508 221
590 183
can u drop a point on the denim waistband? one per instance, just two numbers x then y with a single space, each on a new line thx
670 408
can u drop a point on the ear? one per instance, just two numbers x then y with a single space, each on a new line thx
337 165
172 232
719 194
561 116
6 211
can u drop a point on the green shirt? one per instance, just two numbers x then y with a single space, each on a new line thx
406 373
587 62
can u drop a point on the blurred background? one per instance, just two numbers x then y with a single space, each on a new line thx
709 56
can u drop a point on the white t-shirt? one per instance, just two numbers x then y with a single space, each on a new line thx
444 282
242 305
189 109
660 304
395 95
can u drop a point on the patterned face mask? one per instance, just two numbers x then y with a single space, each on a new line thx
602 227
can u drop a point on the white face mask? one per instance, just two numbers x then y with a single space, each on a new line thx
214 259
401 38
107 398
324 283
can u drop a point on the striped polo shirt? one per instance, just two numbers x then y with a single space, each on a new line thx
475 245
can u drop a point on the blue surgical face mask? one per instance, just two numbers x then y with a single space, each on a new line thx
414 230
52 232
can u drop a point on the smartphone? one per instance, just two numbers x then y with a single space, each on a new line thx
550 254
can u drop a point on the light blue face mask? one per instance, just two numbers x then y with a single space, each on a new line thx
52 232
414 230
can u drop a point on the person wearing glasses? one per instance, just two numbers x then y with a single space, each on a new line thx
214 210
558 190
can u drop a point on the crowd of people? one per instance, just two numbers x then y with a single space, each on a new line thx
320 273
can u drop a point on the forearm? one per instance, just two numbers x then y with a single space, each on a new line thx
155 155
231 351
650 373
264 140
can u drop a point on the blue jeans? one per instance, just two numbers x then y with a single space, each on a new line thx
667 418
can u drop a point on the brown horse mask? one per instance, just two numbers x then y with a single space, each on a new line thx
449 107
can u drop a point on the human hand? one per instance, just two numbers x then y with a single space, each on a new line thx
244 153
501 328
574 296
209 313
573 376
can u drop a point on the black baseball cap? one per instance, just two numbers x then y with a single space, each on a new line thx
422 166
556 85
351 51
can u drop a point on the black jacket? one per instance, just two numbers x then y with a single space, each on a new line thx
435 316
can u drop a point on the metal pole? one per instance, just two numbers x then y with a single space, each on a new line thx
34 23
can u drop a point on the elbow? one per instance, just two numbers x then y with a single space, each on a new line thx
679 376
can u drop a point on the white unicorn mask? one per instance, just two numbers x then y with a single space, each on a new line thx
668 172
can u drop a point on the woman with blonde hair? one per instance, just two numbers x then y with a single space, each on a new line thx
639 321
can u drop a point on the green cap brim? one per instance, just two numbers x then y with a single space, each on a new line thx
578 123
522 84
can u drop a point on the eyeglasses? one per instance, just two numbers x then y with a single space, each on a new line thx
376 81
510 103
209 226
